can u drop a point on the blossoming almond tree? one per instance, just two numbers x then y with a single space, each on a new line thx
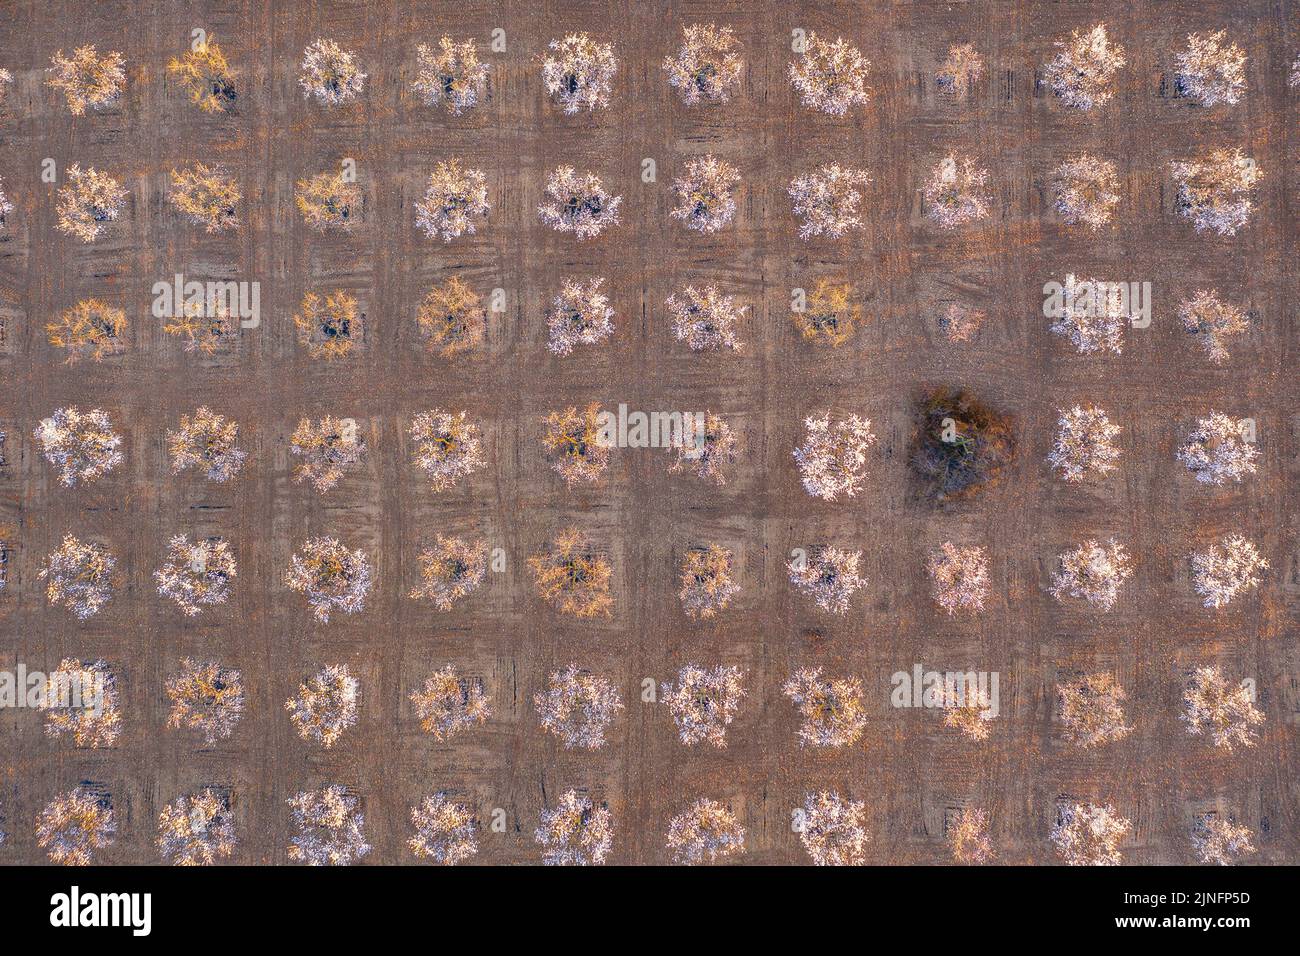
326 450
452 319
578 707
449 703
705 832
196 575
1215 190
81 702
833 712
573 576
1218 840
1085 191
328 827
205 697
328 202
1222 711
1217 451
75 825
454 203
82 446
450 76
206 440
79 576
574 445
827 575
579 73
446 832
1092 710
330 326
829 315
954 192
1093 572
705 319
703 703
1084 446
830 76
207 196
960 70
579 315
1083 72
833 457
966 833
91 329
206 76
959 576
330 74
333 577
87 202
87 80
1226 568
575 832
450 570
833 829
828 200
707 586
1210 71
448 447
706 194
1089 834
578 203
709 454
707 66
1212 322
196 829
325 705
1091 318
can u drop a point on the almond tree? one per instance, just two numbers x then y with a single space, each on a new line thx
74 825
1223 570
91 329
328 828
971 718
1218 840
196 575
1294 79
575 832
827 575
1224 712
577 203
88 201
706 583
829 315
710 453
832 710
206 440
1088 834
448 447
6 207
445 831
963 68
574 444
205 697
573 577
206 77
203 326
1216 450
703 703
86 79
325 705
455 199
706 194
452 319
833 457
450 570
82 446
959 322
330 326
1084 446
828 200
330 74
333 578
206 195
833 829
6 81
707 831
80 701
1210 71
1213 322
327 449
1092 710
1215 190
578 707
579 315
1083 73
79 576
450 76
967 834
705 319
1093 572
959 576
708 65
830 76
329 202
1090 317
449 703
196 829
954 193
1085 191
579 73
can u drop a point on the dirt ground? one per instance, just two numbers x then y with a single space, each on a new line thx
908 769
